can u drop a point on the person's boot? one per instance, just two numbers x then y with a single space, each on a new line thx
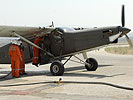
24 74
36 64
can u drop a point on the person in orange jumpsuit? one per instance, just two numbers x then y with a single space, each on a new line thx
22 67
36 59
15 55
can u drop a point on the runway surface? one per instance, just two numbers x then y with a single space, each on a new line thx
114 69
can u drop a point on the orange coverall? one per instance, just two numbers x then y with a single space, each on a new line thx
22 67
15 55
36 50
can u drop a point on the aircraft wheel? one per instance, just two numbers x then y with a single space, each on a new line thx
57 68
93 64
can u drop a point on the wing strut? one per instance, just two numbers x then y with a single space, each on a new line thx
29 42
84 55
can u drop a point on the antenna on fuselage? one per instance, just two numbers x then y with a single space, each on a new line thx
52 25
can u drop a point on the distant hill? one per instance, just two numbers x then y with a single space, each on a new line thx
123 39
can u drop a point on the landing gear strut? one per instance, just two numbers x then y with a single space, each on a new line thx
57 67
90 64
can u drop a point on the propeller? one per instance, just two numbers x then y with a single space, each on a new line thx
123 16
123 25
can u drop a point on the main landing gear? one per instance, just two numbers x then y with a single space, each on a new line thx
93 65
57 67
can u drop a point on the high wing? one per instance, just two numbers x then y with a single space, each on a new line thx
27 32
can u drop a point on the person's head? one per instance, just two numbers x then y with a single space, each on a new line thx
37 36
14 42
19 42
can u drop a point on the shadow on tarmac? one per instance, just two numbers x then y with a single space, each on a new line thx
83 67
97 76
71 74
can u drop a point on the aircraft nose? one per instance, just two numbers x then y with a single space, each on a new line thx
124 30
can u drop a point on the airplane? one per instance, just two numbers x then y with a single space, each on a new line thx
62 42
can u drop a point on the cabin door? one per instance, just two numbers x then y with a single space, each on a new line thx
56 38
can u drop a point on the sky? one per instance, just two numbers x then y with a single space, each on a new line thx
66 13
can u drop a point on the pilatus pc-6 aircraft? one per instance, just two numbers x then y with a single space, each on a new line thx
63 42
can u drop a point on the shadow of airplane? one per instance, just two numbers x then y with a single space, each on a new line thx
97 76
83 67
71 74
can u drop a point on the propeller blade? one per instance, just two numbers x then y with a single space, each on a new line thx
125 30
123 16
129 40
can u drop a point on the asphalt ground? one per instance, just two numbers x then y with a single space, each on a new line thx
39 84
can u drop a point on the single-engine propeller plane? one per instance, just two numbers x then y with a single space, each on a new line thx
63 42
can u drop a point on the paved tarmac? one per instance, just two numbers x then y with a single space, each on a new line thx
114 69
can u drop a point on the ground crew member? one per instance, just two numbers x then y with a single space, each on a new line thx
22 66
15 55
36 58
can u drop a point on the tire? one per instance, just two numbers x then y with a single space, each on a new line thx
57 68
93 63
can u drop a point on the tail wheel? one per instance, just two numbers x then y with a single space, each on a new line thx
93 64
57 68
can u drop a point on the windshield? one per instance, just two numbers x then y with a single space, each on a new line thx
65 29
